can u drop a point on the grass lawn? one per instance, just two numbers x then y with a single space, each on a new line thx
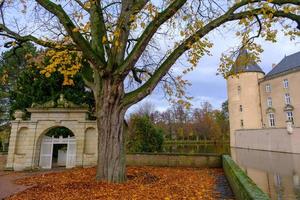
143 183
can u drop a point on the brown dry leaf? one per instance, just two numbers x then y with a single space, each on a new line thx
143 183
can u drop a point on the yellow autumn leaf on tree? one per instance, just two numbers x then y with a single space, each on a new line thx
104 39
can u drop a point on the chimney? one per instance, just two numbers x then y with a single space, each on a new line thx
273 65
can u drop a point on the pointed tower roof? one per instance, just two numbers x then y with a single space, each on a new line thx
244 63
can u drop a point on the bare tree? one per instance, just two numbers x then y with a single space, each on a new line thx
147 108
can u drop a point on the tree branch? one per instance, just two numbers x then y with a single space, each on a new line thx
147 36
82 5
98 30
129 8
11 34
81 42
138 94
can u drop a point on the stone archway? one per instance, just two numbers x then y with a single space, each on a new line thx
52 149
26 154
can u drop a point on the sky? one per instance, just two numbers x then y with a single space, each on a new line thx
207 86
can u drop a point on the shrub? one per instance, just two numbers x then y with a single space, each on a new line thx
143 136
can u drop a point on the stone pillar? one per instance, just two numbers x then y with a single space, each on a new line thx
31 146
12 145
79 136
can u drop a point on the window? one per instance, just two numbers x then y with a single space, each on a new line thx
271 119
285 83
269 102
242 123
239 90
268 88
289 116
241 108
287 99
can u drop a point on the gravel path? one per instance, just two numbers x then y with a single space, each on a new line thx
8 186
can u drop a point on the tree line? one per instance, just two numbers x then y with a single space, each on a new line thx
181 123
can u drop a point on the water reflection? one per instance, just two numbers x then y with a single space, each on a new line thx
278 174
197 148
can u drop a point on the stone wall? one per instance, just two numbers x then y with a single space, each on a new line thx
242 186
174 160
269 140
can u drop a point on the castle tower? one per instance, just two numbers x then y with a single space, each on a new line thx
243 95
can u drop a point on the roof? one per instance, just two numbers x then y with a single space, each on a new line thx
244 63
287 63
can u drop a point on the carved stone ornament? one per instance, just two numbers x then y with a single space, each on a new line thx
60 103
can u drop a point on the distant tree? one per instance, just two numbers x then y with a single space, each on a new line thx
204 122
222 119
166 121
224 109
143 136
12 63
146 108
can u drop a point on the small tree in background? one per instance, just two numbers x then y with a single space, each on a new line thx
143 136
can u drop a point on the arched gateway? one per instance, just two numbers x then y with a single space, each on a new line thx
35 145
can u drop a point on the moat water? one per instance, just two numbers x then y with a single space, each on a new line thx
277 174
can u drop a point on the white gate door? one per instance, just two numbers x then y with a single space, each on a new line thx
71 153
46 153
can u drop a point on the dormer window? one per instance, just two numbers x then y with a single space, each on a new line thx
287 99
285 83
268 88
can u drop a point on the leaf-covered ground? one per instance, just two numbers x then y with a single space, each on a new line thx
143 183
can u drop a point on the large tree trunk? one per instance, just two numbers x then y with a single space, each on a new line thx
111 140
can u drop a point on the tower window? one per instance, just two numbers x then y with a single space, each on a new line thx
242 123
241 108
269 102
271 119
289 116
239 90
268 88
285 83
287 99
